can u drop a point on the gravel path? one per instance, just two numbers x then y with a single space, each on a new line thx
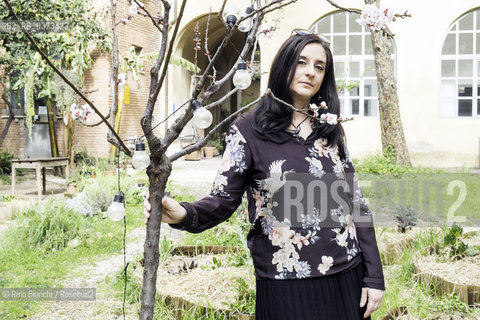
106 305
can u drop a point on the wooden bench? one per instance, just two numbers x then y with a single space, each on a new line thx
39 164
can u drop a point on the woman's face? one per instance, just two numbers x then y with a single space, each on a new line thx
309 74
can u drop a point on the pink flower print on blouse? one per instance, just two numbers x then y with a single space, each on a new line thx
326 264
281 233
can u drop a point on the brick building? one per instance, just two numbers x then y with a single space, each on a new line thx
437 68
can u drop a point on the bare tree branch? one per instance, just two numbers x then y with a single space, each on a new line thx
115 64
146 120
220 13
89 91
221 100
95 124
384 30
204 140
302 111
180 123
45 57
343 8
264 11
155 21
207 52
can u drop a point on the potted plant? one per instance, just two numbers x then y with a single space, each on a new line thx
214 146
72 186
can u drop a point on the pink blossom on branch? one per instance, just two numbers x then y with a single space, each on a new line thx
375 18
81 113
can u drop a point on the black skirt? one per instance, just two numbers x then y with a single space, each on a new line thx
334 297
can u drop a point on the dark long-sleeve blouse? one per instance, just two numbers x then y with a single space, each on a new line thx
308 216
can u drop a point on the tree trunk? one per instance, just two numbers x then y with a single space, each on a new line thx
158 173
68 135
390 120
51 127
11 116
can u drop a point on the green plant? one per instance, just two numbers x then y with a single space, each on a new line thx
5 162
46 227
216 141
455 247
245 301
385 163
406 218
82 157
133 288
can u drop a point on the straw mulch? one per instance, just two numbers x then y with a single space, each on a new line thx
200 281
465 271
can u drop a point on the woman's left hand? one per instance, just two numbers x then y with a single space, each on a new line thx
374 297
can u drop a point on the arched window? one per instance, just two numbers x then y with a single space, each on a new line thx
352 50
460 68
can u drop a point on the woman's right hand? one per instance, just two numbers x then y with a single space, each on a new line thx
172 211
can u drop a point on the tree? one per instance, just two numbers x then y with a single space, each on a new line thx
390 121
160 164
68 51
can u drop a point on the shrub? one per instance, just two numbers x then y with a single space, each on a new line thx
46 227
384 163
5 162
82 157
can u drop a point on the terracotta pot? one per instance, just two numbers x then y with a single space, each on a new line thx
209 151
72 188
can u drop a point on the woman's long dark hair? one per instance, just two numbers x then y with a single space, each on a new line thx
271 118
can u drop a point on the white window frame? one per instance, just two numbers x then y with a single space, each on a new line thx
345 97
449 104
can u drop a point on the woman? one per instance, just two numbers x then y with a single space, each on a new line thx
314 258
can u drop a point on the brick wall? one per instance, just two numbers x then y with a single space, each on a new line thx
139 32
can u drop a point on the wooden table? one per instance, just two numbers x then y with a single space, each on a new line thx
39 164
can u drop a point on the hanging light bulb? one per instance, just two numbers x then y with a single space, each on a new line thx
201 116
140 159
242 79
246 24
231 14
116 211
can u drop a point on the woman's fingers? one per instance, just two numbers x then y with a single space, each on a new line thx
374 297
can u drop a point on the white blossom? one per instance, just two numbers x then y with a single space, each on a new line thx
122 79
329 118
375 18
133 9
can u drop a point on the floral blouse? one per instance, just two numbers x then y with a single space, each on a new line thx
308 216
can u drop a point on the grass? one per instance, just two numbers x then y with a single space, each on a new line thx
403 290
439 198
34 252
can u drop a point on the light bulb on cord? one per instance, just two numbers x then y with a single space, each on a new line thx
231 14
242 79
140 159
116 211
201 116
246 24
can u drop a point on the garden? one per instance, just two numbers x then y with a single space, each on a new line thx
431 267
